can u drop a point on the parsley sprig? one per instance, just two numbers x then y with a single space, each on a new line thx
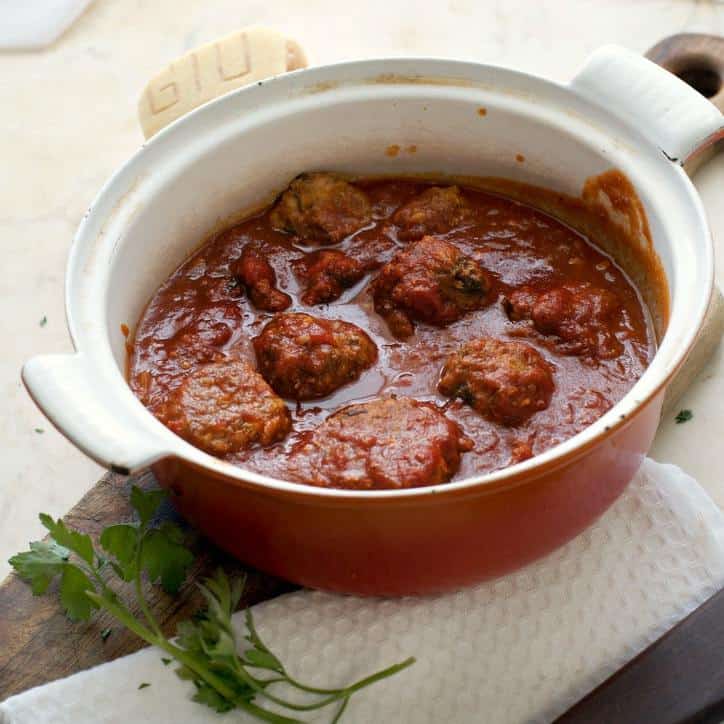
226 675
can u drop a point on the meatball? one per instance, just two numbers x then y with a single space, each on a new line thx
430 281
436 210
506 382
225 408
327 273
387 443
255 272
304 357
321 206
580 316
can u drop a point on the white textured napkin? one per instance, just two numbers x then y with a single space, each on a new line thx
521 648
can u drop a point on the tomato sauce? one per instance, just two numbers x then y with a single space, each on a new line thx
202 314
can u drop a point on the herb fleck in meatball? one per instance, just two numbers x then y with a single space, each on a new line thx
387 443
226 407
430 281
327 273
321 207
304 357
506 382
436 210
260 281
581 317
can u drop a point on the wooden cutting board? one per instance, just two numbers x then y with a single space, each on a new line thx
38 644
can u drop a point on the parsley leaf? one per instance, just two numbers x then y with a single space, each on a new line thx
146 504
105 634
683 416
73 585
79 543
206 694
40 564
39 430
144 685
121 542
164 558
43 321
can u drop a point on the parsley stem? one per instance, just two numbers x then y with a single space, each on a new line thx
265 714
139 589
212 680
340 711
119 610
94 572
334 694
389 671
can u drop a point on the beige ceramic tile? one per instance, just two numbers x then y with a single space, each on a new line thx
69 119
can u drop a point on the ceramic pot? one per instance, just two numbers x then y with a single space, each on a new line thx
620 111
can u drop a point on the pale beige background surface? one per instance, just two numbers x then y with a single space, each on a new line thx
68 120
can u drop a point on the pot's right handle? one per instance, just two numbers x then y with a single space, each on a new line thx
675 113
679 120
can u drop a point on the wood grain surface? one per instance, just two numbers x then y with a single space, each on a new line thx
39 644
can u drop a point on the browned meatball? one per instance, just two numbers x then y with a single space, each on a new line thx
327 273
430 281
322 207
506 382
226 407
580 316
389 443
304 357
255 272
436 210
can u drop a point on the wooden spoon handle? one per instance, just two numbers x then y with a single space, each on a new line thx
246 56
697 59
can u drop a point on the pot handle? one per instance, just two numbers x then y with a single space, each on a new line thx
67 389
679 120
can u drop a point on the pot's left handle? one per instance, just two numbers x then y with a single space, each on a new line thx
67 389
246 56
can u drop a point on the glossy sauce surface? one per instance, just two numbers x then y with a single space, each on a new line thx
201 315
